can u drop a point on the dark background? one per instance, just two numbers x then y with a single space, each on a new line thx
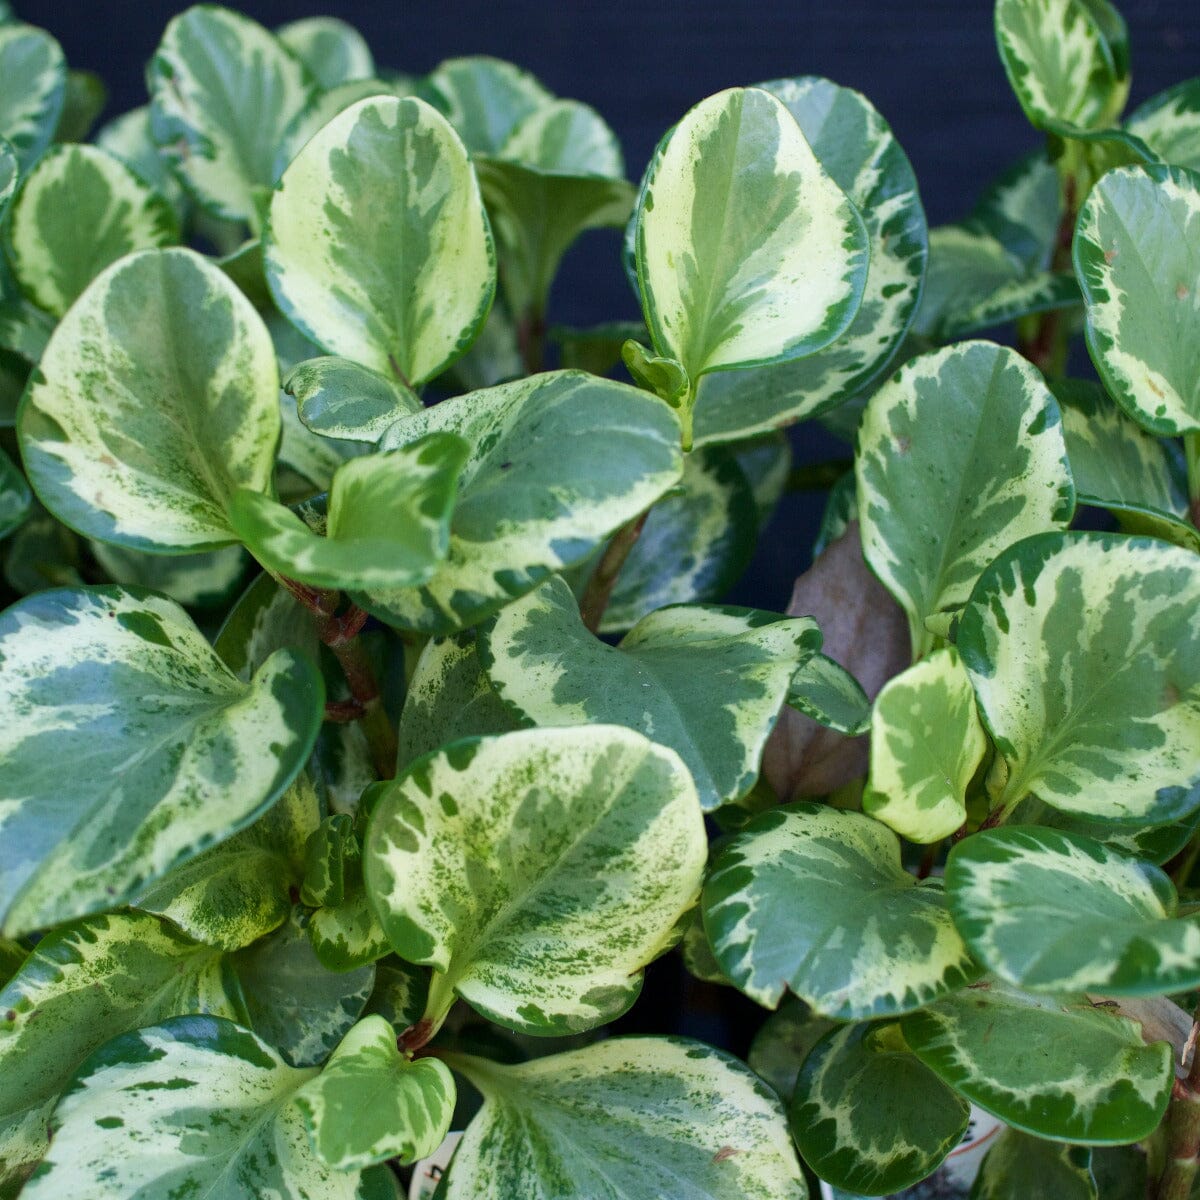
930 66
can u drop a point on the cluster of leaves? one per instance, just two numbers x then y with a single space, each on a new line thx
405 769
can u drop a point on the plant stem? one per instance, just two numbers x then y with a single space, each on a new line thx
1047 348
604 578
531 340
1183 1129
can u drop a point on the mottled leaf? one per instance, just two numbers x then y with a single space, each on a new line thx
15 501
825 691
1169 124
485 99
33 85
1019 1166
333 51
340 399
195 580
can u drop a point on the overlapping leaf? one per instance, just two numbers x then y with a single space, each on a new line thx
341 399
15 500
708 682
1018 1166
195 580
333 51
538 871
1169 124
484 98
128 686
825 691
33 84
815 900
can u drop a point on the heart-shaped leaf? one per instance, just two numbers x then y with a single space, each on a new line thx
79 210
402 279
156 399
814 899
1137 253
926 745
1058 912
127 685
868 1116
661 681
333 51
370 1103
558 463
747 251
1083 651
571 851
959 454
679 1119
33 85
856 146
223 92
340 399
1053 1066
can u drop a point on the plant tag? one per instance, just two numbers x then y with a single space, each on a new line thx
428 1172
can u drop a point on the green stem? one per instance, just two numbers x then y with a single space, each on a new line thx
1183 1131
600 586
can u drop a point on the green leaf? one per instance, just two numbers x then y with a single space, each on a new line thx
156 399
1021 209
388 526
661 681
626 1118
223 92
41 554
9 174
1169 124
333 51
783 1043
266 618
401 277
293 1002
196 1105
320 111
827 692
1019 1166
81 985
371 1104
15 501
747 251
485 99
816 900
401 991
127 689
959 454
340 399
33 86
855 145
868 1116
1067 60
695 544
551 867
926 745
449 697
558 463
128 138
84 101
1053 1066
241 890
1137 254
1082 651
195 580
1057 912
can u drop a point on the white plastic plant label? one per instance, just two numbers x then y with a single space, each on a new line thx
429 1171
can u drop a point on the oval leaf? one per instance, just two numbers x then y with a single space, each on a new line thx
333 51
553 865
129 686
485 99
825 691
33 88
339 399
401 278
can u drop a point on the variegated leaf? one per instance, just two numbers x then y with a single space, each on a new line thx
333 51
1156 843
558 463
388 525
128 686
307 461
291 1000
42 553
223 92
784 1041
1084 651
824 690
1067 60
196 1105
400 278
340 399
128 138
370 1103
143 420
484 98
78 211
33 85
81 985
959 454
538 872
868 1116
695 544
626 1118
1019 1166
816 900
707 682
15 501
9 173
1021 209
1137 253
855 145
264 619
747 251
320 111
926 745
401 990
1058 912
195 580
449 697
1054 1066
1169 124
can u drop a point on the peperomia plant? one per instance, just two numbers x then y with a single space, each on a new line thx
289 855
